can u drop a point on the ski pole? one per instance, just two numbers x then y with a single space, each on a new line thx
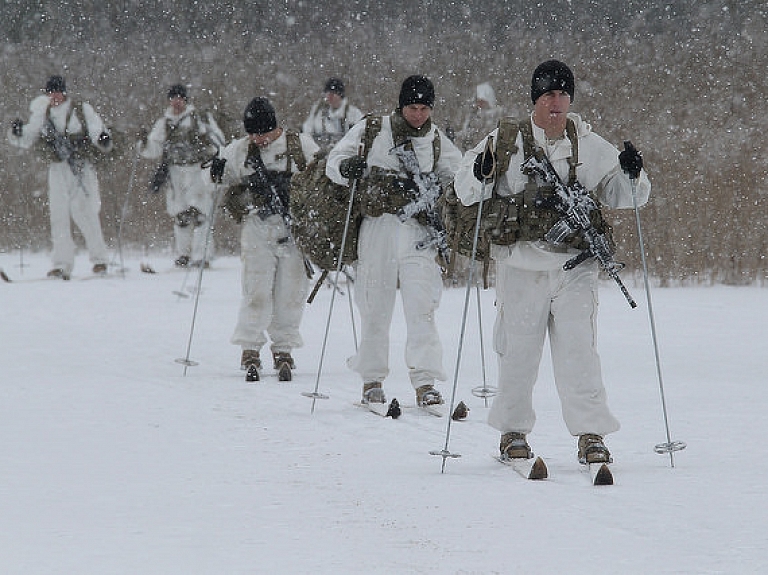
669 446
445 453
485 391
351 308
185 361
315 394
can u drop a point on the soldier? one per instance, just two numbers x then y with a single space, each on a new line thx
398 251
481 118
537 294
69 135
182 140
331 117
257 168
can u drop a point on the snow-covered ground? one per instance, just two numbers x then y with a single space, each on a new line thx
116 461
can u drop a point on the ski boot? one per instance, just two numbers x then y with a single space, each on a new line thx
251 363
283 363
58 273
593 450
460 412
373 393
514 445
428 395
100 269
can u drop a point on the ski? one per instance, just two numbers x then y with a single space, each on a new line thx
534 468
53 279
600 474
437 410
392 410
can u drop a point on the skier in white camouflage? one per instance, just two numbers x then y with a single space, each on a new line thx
182 139
69 135
395 252
332 116
535 295
480 119
257 169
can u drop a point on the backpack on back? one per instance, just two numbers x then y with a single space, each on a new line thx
319 210
460 220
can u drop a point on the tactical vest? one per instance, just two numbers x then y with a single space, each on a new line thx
524 216
527 216
240 200
185 146
79 143
385 191
326 140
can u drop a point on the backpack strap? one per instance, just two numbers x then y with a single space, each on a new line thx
506 145
573 160
372 129
294 152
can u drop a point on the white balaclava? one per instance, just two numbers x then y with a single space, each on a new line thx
485 92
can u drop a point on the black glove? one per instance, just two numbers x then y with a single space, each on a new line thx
217 169
631 160
353 168
104 139
485 165
17 128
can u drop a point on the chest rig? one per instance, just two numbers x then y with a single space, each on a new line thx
530 214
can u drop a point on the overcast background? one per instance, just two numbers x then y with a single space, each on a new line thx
684 80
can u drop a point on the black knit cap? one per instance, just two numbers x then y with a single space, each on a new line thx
259 117
177 91
417 90
334 85
551 75
55 84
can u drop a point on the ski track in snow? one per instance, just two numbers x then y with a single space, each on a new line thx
116 461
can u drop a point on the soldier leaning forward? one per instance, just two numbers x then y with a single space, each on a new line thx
257 170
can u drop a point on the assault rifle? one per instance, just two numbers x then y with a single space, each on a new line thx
575 204
425 201
259 182
63 148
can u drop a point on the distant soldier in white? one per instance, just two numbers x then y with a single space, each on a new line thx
69 134
257 170
547 266
332 116
482 117
182 140
409 163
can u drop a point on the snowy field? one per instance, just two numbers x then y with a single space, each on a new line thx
116 461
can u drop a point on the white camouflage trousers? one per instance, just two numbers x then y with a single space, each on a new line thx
388 258
562 304
274 286
187 187
75 198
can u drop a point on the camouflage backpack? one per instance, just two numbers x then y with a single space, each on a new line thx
319 210
460 220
